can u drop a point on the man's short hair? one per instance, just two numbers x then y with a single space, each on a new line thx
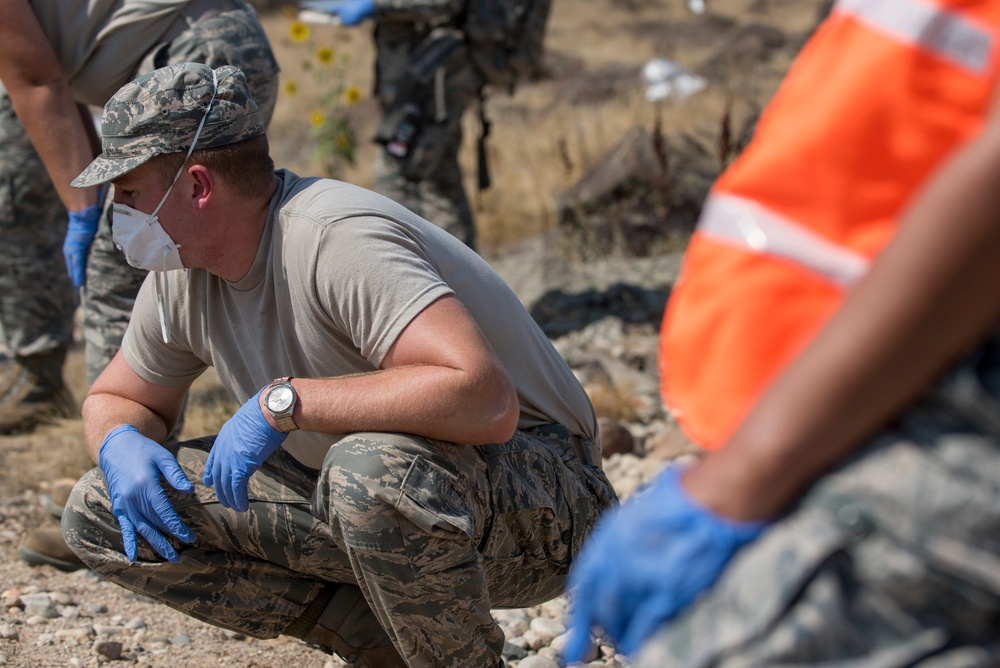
245 166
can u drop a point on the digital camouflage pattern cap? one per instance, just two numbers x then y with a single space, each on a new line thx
160 113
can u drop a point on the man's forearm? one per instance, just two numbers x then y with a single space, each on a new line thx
56 128
928 297
104 412
435 402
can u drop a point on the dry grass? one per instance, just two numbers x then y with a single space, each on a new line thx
543 137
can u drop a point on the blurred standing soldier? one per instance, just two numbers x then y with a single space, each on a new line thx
433 59
411 450
834 340
57 56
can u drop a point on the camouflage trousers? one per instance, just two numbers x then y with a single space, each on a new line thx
233 37
37 299
434 534
428 181
892 560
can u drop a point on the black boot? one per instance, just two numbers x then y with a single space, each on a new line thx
340 622
33 392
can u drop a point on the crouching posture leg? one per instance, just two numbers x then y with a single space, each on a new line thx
398 547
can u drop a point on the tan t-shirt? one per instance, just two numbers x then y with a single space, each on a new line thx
100 43
339 274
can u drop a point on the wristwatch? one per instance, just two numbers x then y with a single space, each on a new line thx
280 400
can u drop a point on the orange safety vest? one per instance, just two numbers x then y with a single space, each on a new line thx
883 92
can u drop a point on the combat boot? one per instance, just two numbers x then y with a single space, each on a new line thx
340 622
48 547
34 392
58 496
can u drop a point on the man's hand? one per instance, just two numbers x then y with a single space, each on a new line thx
351 12
646 562
244 443
80 235
133 465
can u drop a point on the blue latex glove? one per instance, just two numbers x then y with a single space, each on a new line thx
351 12
646 562
80 234
133 465
243 444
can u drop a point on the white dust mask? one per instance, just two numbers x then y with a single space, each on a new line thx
144 241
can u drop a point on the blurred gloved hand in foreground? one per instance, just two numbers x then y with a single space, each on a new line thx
80 233
133 465
647 561
243 444
351 12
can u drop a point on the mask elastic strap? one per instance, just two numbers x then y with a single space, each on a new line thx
162 288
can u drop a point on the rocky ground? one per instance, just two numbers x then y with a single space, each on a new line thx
603 317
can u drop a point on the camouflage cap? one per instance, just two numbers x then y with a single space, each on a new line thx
160 113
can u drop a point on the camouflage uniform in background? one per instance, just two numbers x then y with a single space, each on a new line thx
413 526
892 560
428 181
231 37
37 299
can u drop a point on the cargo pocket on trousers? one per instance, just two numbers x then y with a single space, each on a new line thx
437 523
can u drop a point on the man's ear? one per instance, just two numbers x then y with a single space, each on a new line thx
202 185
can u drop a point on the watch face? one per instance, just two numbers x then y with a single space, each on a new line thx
279 398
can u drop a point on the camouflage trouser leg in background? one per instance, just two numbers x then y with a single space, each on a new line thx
893 560
37 299
429 180
232 37
434 534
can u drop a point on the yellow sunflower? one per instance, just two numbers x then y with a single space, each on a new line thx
325 55
291 87
352 94
317 119
299 32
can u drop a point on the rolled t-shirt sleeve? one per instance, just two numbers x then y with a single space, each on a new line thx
373 277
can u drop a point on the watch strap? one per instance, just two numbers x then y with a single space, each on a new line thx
284 419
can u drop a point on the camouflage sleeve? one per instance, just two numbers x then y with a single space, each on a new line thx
417 10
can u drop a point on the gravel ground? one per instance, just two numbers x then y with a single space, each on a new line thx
52 618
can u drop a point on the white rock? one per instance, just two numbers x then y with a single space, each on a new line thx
107 629
61 598
537 661
547 627
39 604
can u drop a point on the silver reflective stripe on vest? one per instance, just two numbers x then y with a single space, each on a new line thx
942 32
746 224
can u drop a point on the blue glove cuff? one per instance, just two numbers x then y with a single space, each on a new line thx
107 439
668 486
87 215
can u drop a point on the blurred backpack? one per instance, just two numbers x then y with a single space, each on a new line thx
505 38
